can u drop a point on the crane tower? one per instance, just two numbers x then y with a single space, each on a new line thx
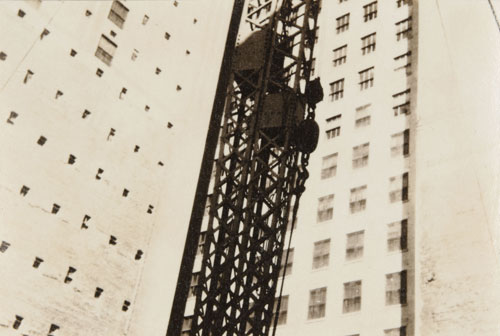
263 140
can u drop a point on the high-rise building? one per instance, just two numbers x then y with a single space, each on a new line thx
104 110
397 231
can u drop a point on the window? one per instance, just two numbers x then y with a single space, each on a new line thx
403 62
313 66
403 29
354 246
403 2
4 246
193 287
398 188
366 78
317 303
337 90
201 241
360 155
368 43
105 50
207 205
283 312
400 143
342 23
332 133
340 55
397 235
321 254
186 326
325 208
118 13
357 202
395 288
402 102
289 262
329 166
352 296
333 126
370 11
401 331
362 116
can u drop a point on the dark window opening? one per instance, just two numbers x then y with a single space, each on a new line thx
136 149
73 52
98 292
21 13
125 192
24 190
3 56
59 94
17 322
111 133
112 240
13 115
37 262
99 72
71 159
150 209
138 254
98 175
125 306
55 208
85 114
28 76
4 246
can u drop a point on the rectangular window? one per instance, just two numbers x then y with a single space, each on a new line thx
342 23
368 43
403 29
325 208
283 312
337 90
395 288
400 143
201 241
317 303
289 263
332 133
186 325
401 102
352 296
362 116
397 236
370 11
403 62
340 55
357 202
329 166
207 205
321 254
401 331
193 287
403 2
105 50
398 188
118 13
360 155
366 78
354 246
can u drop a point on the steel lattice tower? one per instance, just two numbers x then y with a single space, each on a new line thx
260 168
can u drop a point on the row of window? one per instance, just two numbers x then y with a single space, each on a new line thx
369 13
400 145
395 293
398 191
397 240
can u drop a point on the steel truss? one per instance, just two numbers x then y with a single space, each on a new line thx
258 170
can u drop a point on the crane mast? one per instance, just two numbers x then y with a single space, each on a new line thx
267 132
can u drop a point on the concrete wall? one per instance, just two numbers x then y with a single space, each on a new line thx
457 157
40 295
